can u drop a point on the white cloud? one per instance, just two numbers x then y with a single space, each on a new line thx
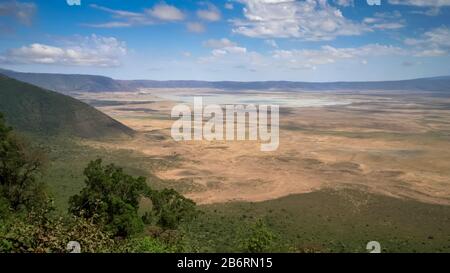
392 25
84 51
385 20
112 24
229 6
421 3
344 3
432 52
312 20
212 13
227 53
311 58
435 42
187 54
73 2
433 11
23 12
124 18
195 27
221 48
221 43
166 12
271 43
433 6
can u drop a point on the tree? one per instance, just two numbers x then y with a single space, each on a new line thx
43 231
111 197
19 167
171 208
261 239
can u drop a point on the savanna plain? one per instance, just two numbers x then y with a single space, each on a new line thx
352 167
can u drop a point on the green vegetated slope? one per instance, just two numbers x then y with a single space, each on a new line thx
67 158
34 110
327 221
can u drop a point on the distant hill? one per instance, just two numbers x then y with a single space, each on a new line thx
32 109
65 83
88 83
438 84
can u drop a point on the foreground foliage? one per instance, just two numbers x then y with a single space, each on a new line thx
104 215
19 167
111 197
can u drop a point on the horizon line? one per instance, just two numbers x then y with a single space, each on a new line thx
232 81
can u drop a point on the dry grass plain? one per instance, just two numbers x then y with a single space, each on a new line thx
392 143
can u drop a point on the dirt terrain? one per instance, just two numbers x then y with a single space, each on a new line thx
381 142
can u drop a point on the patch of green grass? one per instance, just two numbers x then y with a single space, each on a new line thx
67 159
328 221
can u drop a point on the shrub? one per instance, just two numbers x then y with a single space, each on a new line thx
19 166
172 208
112 196
259 240
42 231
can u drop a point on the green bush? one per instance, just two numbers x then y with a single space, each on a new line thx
43 231
145 245
259 240
19 166
172 208
113 197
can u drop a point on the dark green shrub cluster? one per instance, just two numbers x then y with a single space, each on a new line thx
111 197
260 239
19 167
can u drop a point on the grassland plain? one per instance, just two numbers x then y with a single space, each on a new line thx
328 220
383 142
355 173
339 220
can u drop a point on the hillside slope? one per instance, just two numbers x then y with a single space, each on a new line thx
32 109
65 83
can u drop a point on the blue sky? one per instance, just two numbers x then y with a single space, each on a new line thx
245 40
